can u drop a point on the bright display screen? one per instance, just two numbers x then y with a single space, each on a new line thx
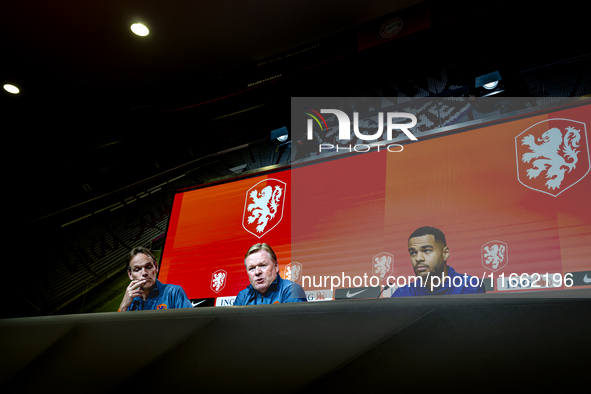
512 200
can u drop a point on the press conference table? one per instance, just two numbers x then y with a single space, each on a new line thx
528 340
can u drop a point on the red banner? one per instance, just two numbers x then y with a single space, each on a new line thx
510 198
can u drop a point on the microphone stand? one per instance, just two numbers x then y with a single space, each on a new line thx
385 288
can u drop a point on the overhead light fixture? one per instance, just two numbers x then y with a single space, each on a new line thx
140 29
488 84
279 135
11 88
491 85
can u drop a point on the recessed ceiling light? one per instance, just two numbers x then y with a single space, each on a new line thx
140 29
490 85
11 88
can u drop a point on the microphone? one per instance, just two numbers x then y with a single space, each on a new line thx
385 288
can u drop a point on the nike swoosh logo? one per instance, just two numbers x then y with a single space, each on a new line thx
195 304
349 295
586 280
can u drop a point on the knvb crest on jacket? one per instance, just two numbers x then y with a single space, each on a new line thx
552 155
263 208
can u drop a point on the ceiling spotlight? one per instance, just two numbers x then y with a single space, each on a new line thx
491 85
280 135
488 84
11 89
488 80
140 29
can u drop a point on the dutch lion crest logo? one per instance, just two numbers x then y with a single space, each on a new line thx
263 208
293 272
552 155
383 265
218 280
495 255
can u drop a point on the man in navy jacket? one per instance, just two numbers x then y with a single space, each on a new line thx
266 286
428 254
145 291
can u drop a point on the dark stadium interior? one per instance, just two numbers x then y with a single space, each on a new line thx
108 125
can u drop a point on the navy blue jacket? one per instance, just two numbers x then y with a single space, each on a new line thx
162 296
280 291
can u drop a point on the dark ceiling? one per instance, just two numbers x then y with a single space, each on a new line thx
51 48
94 96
